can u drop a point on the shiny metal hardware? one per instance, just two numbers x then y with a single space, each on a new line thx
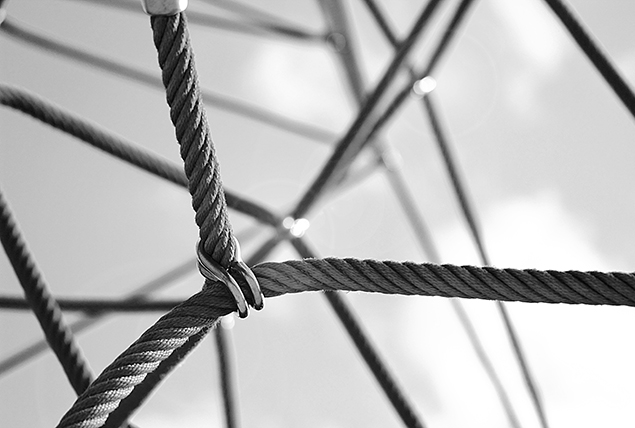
213 271
163 7
239 265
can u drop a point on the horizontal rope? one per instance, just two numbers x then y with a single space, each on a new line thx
387 277
427 279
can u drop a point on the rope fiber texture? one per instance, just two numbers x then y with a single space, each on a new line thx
187 112
201 311
92 134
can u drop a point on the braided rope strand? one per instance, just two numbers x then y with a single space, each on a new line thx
202 310
157 344
445 280
180 79
72 124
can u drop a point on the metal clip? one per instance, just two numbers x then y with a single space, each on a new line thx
213 271
163 7
239 265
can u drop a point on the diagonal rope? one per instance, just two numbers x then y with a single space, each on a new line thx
470 218
13 28
114 145
378 367
187 112
414 217
42 303
349 142
594 52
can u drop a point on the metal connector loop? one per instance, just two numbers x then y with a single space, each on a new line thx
239 265
163 7
213 271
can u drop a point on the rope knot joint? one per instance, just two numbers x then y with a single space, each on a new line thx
213 271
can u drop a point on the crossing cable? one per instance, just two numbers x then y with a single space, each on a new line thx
367 350
349 142
96 310
195 316
335 14
415 218
90 133
467 211
470 218
18 31
115 397
443 280
384 153
42 303
594 52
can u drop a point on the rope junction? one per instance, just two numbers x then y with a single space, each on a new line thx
122 386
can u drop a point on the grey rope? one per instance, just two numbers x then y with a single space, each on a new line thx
44 306
202 310
53 115
187 112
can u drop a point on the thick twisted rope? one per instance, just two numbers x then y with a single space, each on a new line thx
187 112
202 310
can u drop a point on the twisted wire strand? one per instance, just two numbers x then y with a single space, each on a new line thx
369 352
415 218
191 319
446 280
187 113
201 311
42 303
107 141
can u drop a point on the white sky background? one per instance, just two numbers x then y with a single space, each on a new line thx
545 146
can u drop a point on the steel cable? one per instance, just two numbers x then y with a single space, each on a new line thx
53 115
201 311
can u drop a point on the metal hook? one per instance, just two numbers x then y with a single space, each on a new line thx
213 271
249 277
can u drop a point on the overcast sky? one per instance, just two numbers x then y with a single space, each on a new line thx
545 146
